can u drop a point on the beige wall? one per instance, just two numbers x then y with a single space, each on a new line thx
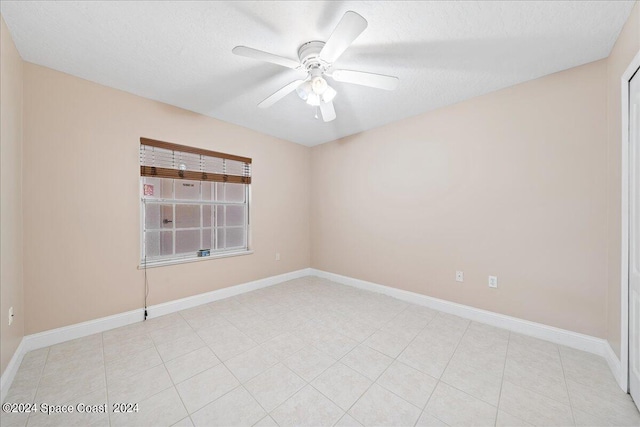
11 294
625 49
511 184
81 204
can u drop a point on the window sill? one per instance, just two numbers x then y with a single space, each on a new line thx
163 262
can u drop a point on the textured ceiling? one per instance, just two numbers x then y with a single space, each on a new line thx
442 52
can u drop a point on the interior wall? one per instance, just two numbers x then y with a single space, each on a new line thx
511 184
11 286
81 205
391 205
626 47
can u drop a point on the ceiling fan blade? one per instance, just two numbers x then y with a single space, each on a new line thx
349 28
327 110
281 93
378 81
265 56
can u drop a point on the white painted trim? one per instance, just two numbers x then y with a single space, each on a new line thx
11 370
560 336
614 364
191 258
79 330
624 252
196 300
556 335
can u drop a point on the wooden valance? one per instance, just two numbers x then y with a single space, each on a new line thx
168 160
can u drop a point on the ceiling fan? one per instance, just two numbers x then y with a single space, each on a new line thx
317 58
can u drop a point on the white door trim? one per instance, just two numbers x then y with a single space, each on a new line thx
624 254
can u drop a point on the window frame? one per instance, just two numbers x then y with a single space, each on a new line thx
186 258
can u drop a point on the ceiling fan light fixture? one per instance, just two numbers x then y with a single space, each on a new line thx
319 85
329 94
313 99
304 90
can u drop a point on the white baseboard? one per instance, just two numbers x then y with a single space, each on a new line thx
196 300
556 335
11 370
79 330
576 340
615 366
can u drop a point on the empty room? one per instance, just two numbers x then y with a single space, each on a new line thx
320 213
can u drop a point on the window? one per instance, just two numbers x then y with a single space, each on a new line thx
192 200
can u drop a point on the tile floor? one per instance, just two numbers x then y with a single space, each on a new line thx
311 352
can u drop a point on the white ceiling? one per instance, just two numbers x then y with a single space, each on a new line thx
443 52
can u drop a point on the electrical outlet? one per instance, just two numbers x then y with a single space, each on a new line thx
10 315
493 281
459 276
277 256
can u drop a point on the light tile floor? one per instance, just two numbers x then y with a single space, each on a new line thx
311 352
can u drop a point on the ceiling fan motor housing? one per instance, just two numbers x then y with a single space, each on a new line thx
309 55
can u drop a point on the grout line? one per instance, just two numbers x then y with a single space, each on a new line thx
557 346
144 370
504 369
285 400
231 372
336 362
564 377
308 346
44 365
385 370
169 374
221 363
164 365
455 349
42 369
439 379
266 416
106 382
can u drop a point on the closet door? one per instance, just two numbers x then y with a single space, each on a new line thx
634 238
